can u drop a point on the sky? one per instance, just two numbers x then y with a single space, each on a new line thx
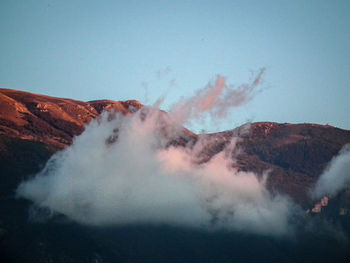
145 50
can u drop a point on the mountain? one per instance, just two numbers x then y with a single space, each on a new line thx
295 154
33 127
54 121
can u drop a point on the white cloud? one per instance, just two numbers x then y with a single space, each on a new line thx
137 180
140 179
216 99
336 176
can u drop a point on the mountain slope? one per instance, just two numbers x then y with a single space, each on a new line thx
33 127
53 121
294 154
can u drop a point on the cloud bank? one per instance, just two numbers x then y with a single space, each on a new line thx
336 176
125 171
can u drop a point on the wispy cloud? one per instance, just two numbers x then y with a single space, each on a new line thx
336 176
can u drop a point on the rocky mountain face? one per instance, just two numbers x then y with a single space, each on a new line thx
33 127
53 121
294 154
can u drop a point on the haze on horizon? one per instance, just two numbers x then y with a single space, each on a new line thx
145 50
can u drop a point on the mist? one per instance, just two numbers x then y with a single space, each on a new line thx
215 100
129 169
336 176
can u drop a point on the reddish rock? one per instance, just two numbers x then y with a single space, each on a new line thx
54 121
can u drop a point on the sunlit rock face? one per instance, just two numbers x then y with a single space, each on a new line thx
319 206
54 121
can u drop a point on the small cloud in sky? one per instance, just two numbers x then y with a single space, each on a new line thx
160 74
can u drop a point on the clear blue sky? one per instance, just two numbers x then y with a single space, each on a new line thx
126 49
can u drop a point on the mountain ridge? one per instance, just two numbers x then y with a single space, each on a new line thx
50 119
294 154
33 127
